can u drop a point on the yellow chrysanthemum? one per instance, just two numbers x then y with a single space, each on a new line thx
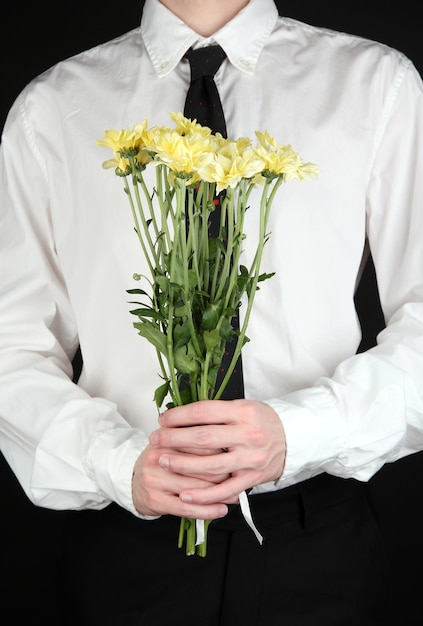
140 129
302 171
183 154
186 126
229 166
118 140
121 164
122 142
282 159
218 142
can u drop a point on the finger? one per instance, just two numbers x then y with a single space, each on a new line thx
228 491
209 467
201 412
201 439
156 492
171 504
200 451
156 475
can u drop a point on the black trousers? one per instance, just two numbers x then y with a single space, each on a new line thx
322 562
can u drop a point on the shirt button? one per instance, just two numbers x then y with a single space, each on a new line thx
164 65
245 63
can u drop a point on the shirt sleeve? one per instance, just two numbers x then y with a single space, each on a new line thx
52 432
370 411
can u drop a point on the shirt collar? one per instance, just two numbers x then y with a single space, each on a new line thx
167 38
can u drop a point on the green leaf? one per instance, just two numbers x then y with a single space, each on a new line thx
226 330
185 360
150 331
186 396
212 375
162 300
181 334
147 312
141 292
265 276
212 241
176 291
160 394
242 282
162 281
182 310
245 340
211 316
211 339
192 279
229 312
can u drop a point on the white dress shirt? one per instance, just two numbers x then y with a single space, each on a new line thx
69 251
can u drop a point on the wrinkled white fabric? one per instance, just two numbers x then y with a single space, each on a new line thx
68 252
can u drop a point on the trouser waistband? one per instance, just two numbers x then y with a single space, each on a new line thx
297 501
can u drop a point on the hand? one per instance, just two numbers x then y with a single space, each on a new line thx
231 445
155 489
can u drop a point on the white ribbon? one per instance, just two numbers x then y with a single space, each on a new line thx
245 509
199 531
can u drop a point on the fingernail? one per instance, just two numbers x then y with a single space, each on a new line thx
164 462
162 418
186 498
154 438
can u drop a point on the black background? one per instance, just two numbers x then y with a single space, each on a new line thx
34 36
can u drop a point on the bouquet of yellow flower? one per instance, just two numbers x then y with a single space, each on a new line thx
196 282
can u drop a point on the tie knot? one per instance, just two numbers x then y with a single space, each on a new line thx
205 61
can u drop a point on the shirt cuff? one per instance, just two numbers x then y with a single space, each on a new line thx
314 434
110 462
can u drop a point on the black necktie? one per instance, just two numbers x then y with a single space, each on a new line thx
203 101
203 104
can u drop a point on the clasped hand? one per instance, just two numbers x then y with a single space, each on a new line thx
204 455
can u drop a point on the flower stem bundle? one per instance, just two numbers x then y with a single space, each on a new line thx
196 282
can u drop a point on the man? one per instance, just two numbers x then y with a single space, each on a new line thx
318 419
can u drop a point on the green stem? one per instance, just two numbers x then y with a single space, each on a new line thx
179 224
140 180
137 225
164 195
187 529
228 214
190 547
265 205
193 239
217 261
232 295
151 210
201 549
187 257
203 202
204 376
